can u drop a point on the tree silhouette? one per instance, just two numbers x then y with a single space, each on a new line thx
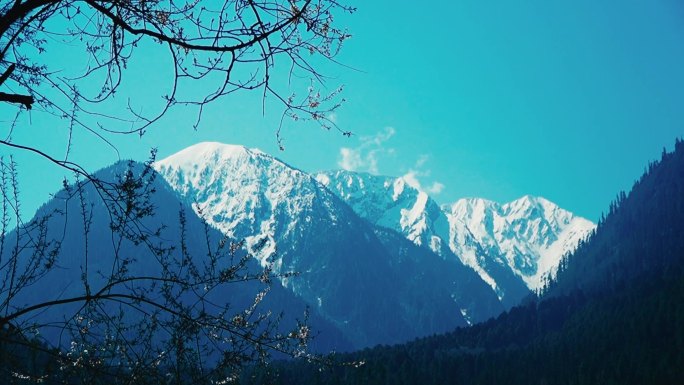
231 45
164 326
143 301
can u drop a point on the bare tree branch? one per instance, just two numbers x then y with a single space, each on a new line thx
7 73
26 100
121 325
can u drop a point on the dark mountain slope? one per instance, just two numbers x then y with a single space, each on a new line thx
643 233
109 251
433 288
370 288
616 315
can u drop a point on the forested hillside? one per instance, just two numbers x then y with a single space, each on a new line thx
614 315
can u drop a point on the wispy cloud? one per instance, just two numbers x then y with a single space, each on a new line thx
365 157
435 188
414 175
372 149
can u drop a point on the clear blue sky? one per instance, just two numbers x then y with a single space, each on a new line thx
494 99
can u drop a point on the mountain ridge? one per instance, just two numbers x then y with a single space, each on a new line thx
346 270
89 257
495 237
613 314
249 193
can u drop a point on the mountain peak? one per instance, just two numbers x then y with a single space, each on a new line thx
529 234
529 203
247 190
470 206
211 152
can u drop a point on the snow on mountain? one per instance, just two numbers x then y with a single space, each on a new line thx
243 191
371 284
529 235
108 249
392 203
518 242
396 204
325 228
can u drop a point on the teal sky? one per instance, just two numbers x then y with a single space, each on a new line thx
494 99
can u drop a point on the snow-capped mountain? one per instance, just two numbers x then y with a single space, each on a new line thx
529 234
349 235
513 247
377 260
95 254
373 284
393 203
242 192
